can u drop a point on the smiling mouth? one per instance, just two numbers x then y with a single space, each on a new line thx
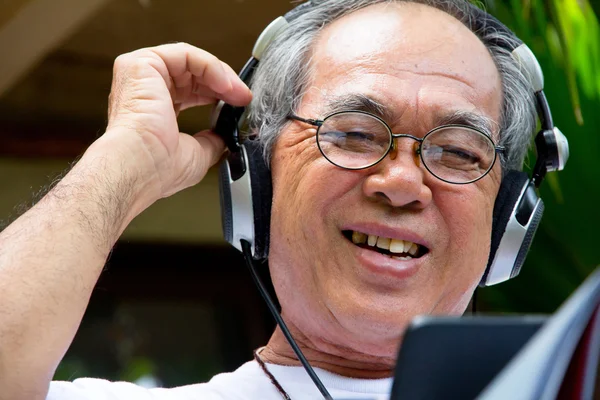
394 248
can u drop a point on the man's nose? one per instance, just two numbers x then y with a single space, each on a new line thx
399 181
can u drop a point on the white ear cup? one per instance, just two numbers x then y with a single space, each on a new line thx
245 190
517 214
237 212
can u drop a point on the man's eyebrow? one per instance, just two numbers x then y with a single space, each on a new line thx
358 102
361 102
468 118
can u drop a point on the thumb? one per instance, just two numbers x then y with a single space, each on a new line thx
197 154
212 146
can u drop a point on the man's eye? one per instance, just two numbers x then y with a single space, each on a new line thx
461 154
454 157
345 138
348 135
353 135
356 142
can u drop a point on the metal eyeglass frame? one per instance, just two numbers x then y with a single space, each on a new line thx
319 122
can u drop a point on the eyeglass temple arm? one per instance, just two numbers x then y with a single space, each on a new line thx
315 122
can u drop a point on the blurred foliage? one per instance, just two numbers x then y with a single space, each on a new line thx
72 368
565 36
138 368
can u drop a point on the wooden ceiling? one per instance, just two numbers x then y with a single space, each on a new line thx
57 58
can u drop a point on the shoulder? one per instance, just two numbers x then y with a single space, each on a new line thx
100 389
245 383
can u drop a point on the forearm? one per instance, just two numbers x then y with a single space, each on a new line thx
50 260
51 257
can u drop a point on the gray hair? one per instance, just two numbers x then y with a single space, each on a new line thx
283 75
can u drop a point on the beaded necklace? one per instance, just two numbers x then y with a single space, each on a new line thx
270 375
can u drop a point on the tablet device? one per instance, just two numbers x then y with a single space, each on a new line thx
456 357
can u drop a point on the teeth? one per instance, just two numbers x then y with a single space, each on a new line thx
358 237
413 249
393 245
372 241
383 243
402 258
397 246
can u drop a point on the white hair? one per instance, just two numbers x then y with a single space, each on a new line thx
283 75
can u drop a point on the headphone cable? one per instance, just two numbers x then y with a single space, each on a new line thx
246 250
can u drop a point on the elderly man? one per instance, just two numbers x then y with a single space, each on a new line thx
347 292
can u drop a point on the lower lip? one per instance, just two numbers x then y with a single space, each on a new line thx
386 265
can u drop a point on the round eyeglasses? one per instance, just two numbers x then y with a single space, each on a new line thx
355 140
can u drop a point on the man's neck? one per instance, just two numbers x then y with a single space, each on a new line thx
352 364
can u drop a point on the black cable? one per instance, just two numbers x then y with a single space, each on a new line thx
263 291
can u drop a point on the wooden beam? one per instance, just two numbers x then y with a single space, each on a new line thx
32 135
36 29
9 8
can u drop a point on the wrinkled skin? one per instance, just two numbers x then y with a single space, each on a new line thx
420 63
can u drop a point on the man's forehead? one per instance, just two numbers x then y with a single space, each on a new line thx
389 59
404 36
413 28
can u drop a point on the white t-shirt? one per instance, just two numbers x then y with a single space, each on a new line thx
249 382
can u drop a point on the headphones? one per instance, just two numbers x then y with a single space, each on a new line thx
245 179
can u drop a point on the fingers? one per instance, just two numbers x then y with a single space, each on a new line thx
187 65
201 95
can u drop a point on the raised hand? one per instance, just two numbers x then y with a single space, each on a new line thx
51 257
150 86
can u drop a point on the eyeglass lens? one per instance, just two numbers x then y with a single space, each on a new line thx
454 154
